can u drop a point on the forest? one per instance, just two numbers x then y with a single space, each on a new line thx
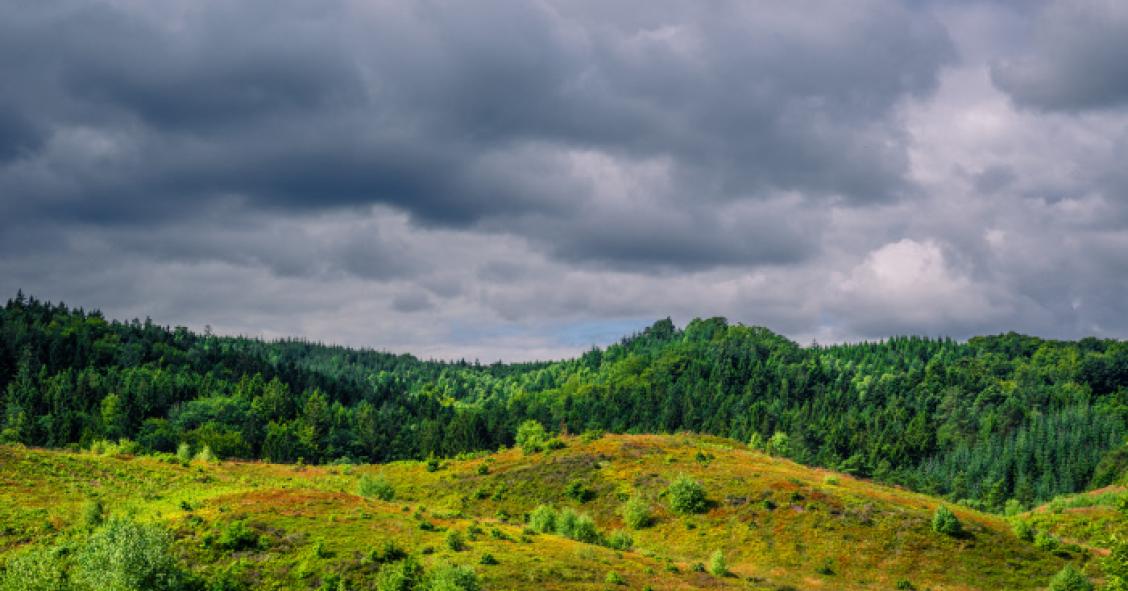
983 422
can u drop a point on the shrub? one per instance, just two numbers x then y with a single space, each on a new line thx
636 513
184 453
93 514
579 492
453 578
454 541
756 441
1012 507
614 578
483 469
1070 579
1022 530
904 585
34 570
237 536
376 486
405 575
433 463
487 559
390 552
531 436
779 444
543 519
698 567
620 540
577 527
945 522
1044 540
206 455
717 564
126 556
686 496
554 444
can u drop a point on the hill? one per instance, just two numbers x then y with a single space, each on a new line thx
979 422
778 525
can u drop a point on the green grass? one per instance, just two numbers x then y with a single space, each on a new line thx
776 523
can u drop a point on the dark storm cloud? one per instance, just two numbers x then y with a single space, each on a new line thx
421 175
158 113
1078 58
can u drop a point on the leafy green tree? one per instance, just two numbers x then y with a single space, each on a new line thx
531 436
686 496
126 556
779 444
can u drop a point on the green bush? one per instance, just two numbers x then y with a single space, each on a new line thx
620 540
237 536
184 453
206 455
1044 540
945 522
779 444
904 585
579 492
1022 530
531 437
452 578
1070 579
377 487
717 564
577 526
487 559
454 541
636 513
93 514
126 556
35 570
543 519
614 578
405 575
686 496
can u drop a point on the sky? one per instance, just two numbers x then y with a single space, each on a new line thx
523 179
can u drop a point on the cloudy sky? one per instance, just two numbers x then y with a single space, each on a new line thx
522 179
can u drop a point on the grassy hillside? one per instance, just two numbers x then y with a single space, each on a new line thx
778 524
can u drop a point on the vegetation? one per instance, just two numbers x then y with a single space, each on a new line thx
945 522
1070 579
140 490
240 525
686 496
981 422
376 487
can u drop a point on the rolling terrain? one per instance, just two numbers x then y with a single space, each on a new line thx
777 524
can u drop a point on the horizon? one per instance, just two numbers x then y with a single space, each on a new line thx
415 178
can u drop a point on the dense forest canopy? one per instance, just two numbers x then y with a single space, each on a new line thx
987 420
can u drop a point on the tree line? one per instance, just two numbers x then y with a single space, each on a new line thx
990 419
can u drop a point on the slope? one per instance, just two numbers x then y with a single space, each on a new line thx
778 524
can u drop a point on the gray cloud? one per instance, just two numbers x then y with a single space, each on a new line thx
1078 58
509 178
